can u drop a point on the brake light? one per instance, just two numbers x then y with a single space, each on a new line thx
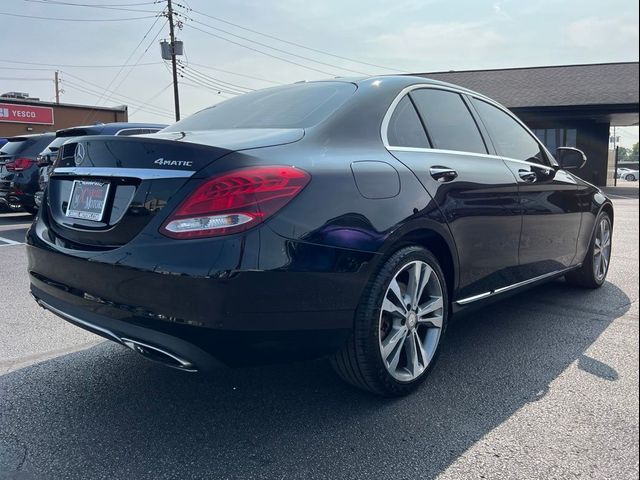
19 164
235 201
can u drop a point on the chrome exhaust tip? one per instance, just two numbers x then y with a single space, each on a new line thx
160 355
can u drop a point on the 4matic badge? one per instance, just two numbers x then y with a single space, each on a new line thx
173 163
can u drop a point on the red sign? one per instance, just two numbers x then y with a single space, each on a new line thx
13 113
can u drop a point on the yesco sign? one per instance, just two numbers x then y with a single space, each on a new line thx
10 112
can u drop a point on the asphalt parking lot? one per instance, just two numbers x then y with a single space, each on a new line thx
542 385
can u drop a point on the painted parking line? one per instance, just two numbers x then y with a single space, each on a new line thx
6 242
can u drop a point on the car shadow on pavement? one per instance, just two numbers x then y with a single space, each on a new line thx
107 413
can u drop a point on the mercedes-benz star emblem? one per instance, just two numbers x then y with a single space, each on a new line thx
78 158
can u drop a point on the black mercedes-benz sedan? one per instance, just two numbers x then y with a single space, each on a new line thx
344 218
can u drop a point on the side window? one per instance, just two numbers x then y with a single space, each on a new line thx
509 137
405 128
130 131
448 120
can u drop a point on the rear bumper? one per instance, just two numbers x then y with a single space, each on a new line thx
302 309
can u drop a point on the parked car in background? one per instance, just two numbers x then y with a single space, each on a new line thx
628 174
335 218
19 171
48 156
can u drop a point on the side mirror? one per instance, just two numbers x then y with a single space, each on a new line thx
570 158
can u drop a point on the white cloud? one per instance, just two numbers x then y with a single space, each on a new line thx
439 40
604 33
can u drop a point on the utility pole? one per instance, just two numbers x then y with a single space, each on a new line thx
56 80
176 97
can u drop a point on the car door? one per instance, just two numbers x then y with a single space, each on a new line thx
548 195
433 132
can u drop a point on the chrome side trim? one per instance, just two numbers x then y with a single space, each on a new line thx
467 300
141 173
470 154
557 273
75 319
437 150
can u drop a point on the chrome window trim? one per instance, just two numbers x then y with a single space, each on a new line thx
474 298
141 173
461 91
470 154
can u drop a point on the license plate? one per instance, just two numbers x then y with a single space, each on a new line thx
88 200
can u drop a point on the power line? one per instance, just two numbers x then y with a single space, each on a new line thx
151 99
209 77
324 52
119 96
57 19
235 73
208 84
277 49
135 4
25 78
208 90
263 53
68 4
141 55
94 93
62 65
226 32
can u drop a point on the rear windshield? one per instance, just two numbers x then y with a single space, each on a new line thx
293 106
29 146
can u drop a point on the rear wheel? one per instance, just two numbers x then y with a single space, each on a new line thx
595 266
398 327
630 178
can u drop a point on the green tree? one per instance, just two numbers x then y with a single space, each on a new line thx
634 152
623 154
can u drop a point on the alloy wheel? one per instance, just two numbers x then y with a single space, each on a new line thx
602 249
411 320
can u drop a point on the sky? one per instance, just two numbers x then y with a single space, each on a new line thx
384 36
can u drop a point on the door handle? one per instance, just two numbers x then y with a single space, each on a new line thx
528 176
443 174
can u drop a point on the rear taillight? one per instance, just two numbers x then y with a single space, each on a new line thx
19 164
235 201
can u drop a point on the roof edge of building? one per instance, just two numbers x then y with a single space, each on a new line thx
119 108
526 68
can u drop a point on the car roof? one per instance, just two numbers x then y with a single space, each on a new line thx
398 81
22 138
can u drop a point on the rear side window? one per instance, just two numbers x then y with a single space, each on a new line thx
405 128
448 120
131 131
29 147
510 139
293 106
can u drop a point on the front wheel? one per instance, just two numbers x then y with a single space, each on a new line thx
630 178
595 266
398 327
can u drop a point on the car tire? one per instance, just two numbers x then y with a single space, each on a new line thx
595 265
630 178
380 323
31 210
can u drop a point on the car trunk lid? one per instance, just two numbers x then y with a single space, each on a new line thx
104 190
